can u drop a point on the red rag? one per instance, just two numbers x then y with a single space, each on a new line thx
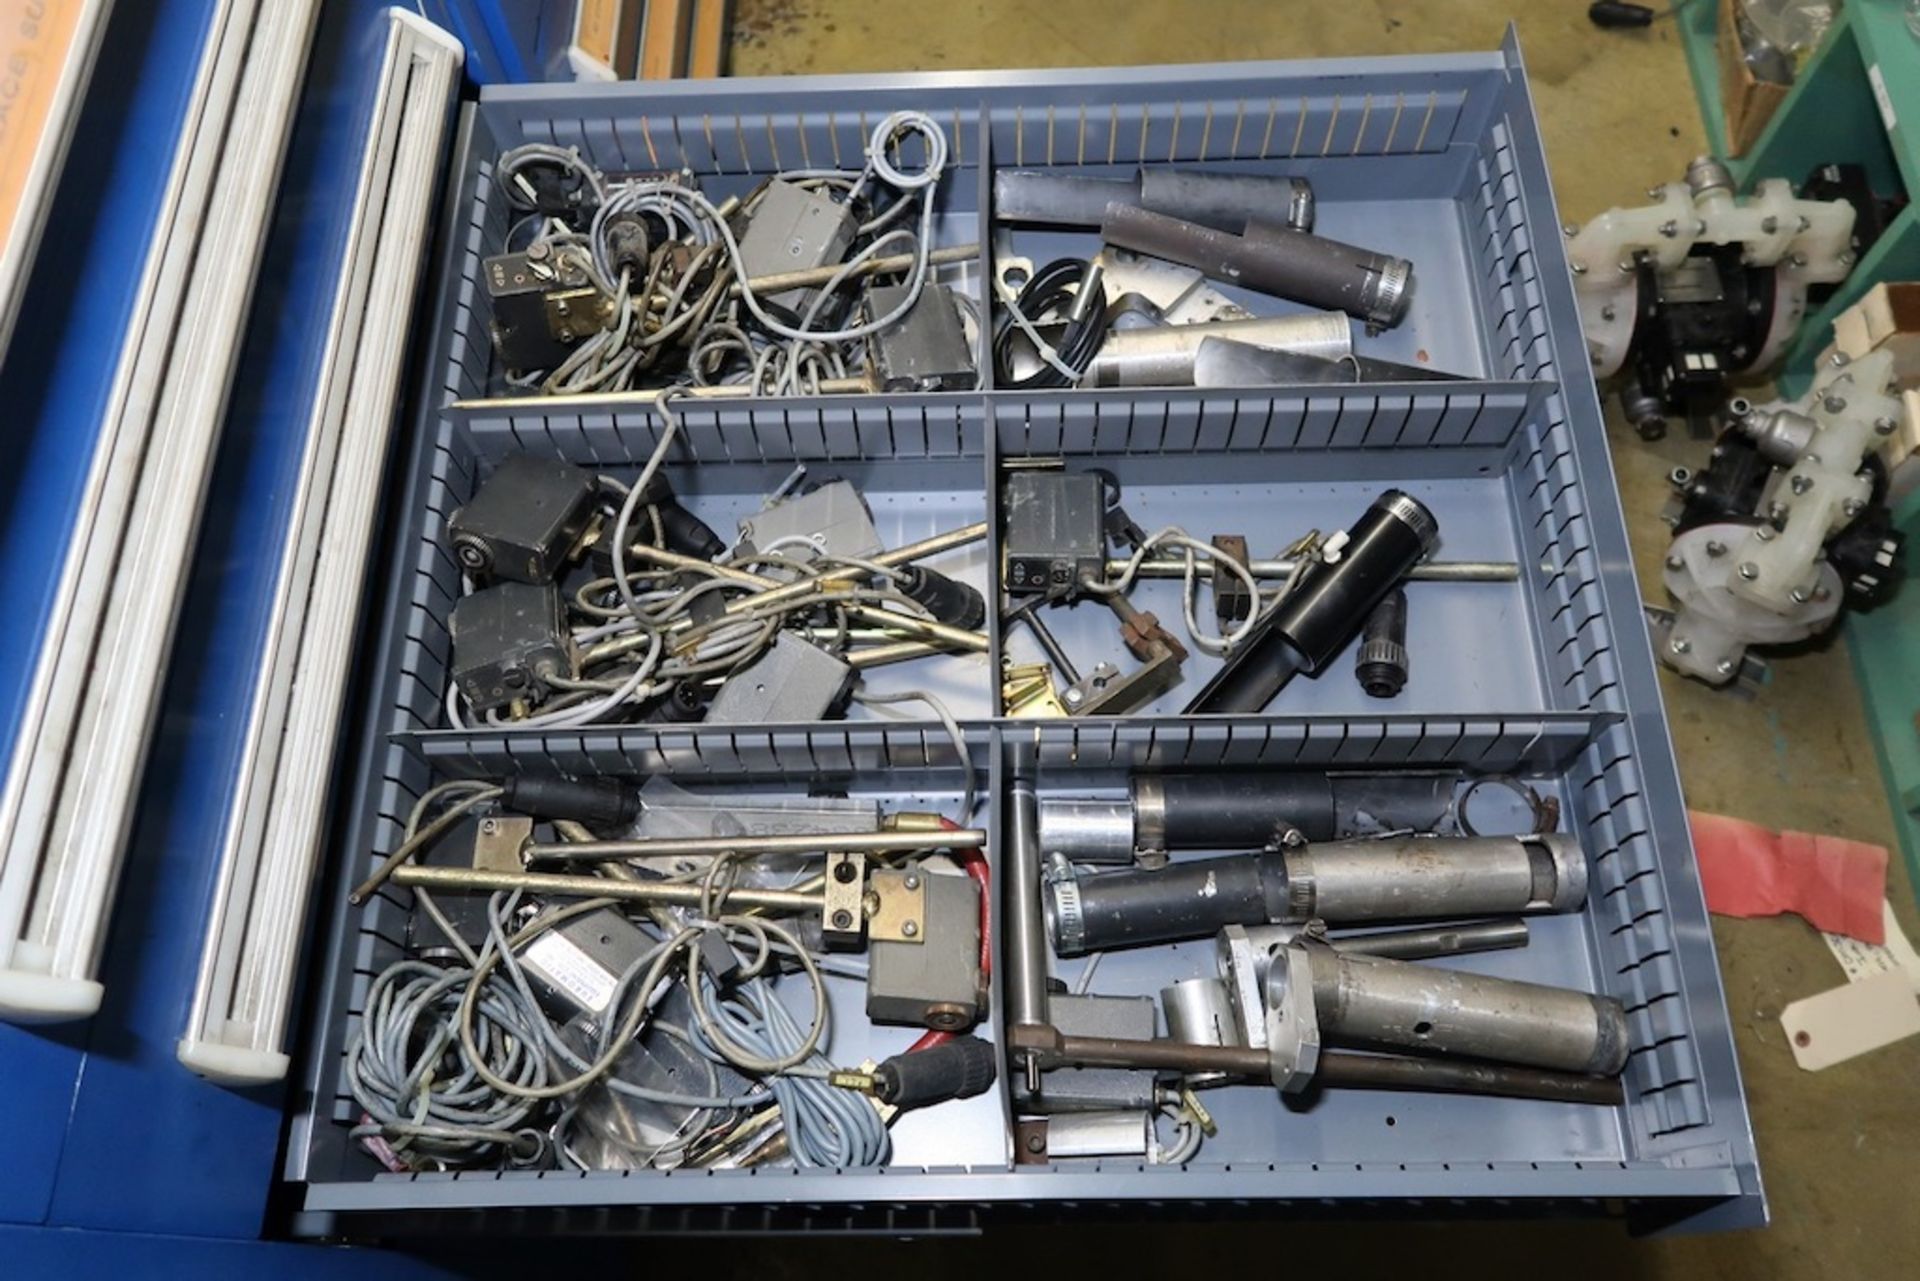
1748 870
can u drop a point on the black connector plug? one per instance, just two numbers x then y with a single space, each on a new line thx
956 1069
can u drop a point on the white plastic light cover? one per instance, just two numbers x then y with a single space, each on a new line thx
237 1026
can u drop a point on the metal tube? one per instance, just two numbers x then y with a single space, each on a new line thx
780 281
963 838
1026 958
1352 1071
898 652
1224 200
1441 571
1087 831
932 546
1163 356
1274 259
1375 1002
1413 878
1341 1068
1340 882
1429 941
643 399
673 893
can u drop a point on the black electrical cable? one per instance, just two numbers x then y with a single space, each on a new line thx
1055 287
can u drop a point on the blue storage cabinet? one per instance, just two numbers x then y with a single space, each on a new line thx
1548 677
1441 152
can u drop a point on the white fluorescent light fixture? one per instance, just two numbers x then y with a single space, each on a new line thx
82 741
70 67
237 1026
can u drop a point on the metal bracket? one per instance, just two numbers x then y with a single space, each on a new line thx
1026 689
897 906
1105 692
843 909
498 840
1293 1024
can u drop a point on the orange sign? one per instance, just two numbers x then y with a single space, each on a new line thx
36 40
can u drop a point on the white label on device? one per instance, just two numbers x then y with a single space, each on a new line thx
560 959
1880 96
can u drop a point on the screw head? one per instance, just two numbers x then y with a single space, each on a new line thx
912 882
1679 644
1071 698
1853 507
1884 426
842 919
1674 562
1802 483
1839 359
1716 548
1724 667
909 929
1608 312
1833 404
1765 532
1669 229
1578 268
488 826
1799 595
1769 224
1749 570
1569 229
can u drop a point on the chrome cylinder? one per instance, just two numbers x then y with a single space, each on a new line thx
1087 831
1416 878
1164 356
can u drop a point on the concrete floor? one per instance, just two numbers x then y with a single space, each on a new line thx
1840 1148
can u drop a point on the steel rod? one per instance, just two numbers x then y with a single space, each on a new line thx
1439 571
781 281
1339 1068
898 652
673 893
963 838
1026 948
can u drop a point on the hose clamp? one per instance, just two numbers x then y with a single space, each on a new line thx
1412 513
1149 813
1066 920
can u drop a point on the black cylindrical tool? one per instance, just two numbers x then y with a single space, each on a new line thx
1380 664
1220 811
1339 882
956 1069
954 603
1274 259
597 802
1328 605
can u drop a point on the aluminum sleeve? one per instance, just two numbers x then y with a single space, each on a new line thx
1372 1001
